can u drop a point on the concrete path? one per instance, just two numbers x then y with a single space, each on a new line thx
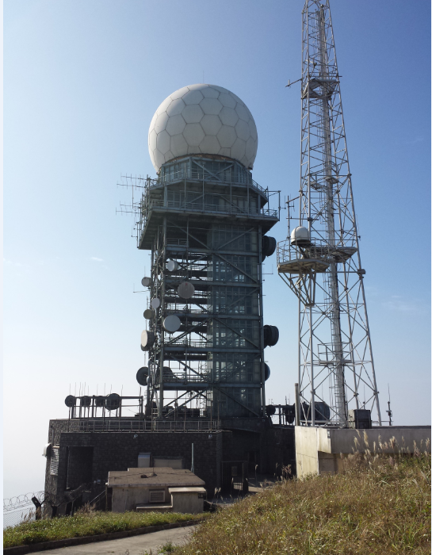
134 545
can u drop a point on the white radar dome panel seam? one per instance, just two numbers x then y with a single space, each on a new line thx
202 119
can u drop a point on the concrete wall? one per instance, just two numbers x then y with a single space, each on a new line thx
306 449
318 449
127 498
343 441
187 502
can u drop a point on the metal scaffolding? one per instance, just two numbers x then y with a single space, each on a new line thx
204 220
320 260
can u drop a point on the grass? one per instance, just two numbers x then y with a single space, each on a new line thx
378 504
85 523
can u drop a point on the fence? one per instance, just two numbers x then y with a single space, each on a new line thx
138 425
20 508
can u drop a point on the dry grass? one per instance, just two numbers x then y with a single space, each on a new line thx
378 504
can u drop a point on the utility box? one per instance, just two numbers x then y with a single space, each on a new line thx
360 419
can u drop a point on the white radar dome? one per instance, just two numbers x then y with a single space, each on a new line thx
203 119
300 236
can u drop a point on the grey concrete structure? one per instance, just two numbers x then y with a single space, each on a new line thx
155 489
318 450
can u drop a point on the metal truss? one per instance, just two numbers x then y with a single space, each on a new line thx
203 221
336 366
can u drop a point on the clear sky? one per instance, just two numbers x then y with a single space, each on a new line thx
82 79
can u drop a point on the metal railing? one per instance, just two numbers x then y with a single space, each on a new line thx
148 205
199 206
138 425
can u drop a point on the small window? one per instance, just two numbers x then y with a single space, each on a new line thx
157 496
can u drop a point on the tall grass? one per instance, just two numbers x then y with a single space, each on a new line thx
377 504
85 523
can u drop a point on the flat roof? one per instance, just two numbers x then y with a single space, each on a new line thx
159 476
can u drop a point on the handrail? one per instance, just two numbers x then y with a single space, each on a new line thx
86 425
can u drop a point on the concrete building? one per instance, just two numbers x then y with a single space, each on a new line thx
160 489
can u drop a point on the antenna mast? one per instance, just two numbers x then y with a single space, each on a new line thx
320 260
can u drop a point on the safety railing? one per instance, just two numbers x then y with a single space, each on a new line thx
140 425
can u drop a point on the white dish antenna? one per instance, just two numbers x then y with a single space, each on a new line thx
147 340
172 266
146 282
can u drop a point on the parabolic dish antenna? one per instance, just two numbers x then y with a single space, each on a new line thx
268 245
85 401
171 323
172 265
142 375
155 303
112 402
70 401
149 314
146 282
186 290
147 340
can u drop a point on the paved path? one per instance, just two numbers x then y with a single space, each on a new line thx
134 545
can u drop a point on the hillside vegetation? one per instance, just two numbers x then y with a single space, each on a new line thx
377 505
85 523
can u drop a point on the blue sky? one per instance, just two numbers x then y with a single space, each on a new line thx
82 79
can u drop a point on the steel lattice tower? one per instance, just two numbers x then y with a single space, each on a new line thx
320 260
205 221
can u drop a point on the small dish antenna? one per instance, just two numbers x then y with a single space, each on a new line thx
155 303
172 265
70 401
112 402
186 290
171 323
149 314
142 375
85 401
147 340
